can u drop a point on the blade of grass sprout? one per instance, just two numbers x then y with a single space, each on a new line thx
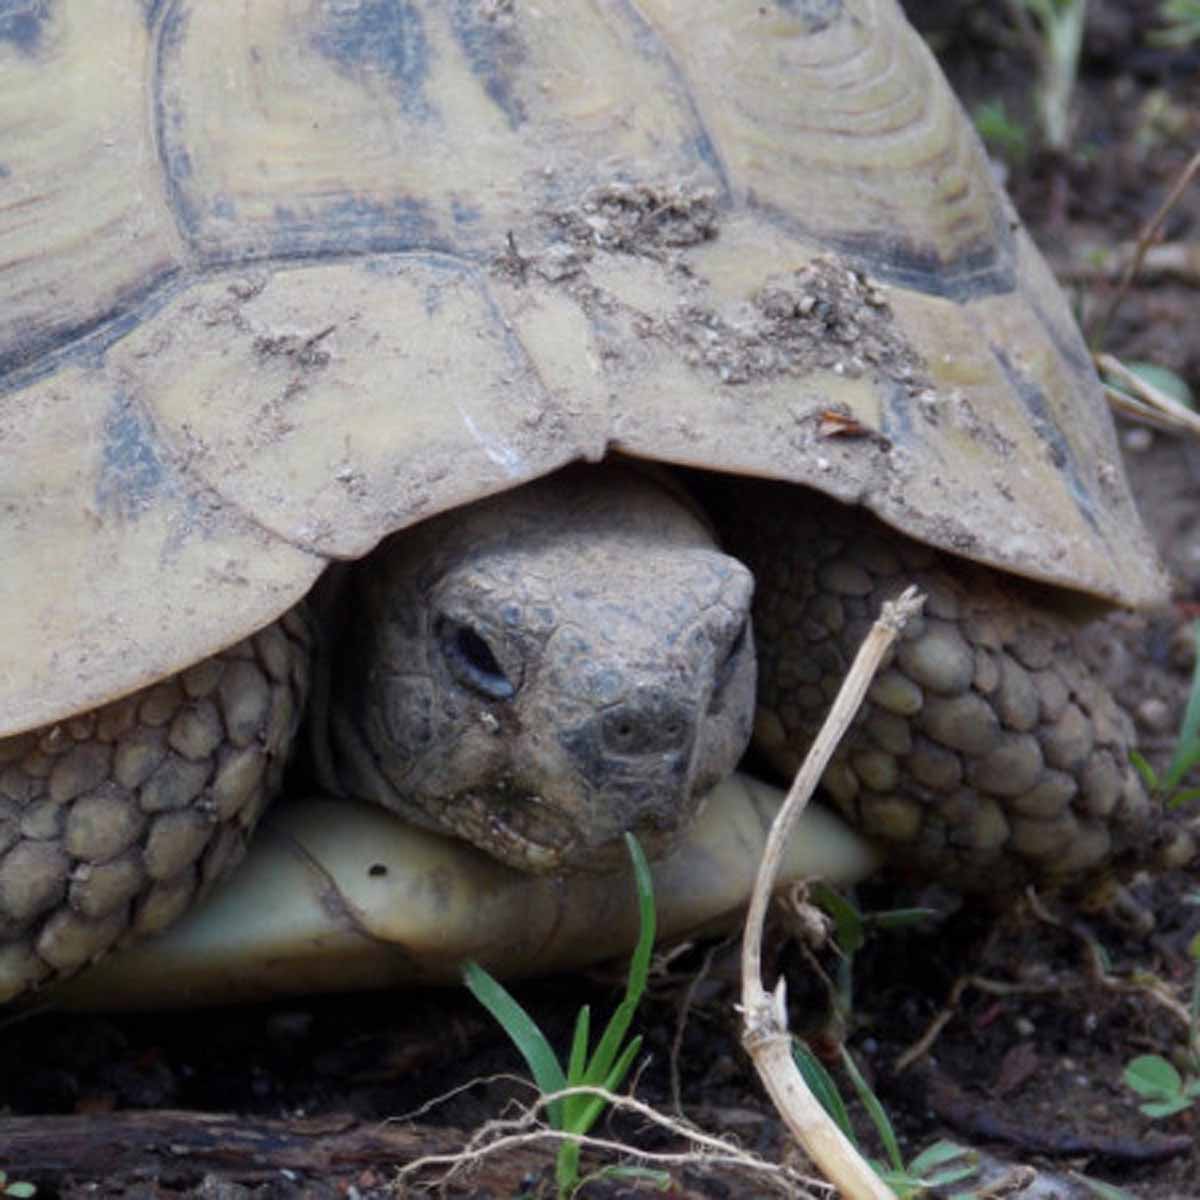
1187 753
592 1106
639 972
1146 771
651 1175
525 1035
875 1111
566 1168
848 922
900 918
577 1068
821 1084
579 1046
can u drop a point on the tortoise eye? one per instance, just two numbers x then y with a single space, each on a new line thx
472 660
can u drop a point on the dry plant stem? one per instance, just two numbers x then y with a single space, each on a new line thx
1145 237
706 1151
764 1016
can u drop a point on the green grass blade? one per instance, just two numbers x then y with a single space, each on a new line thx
821 1084
1186 752
1147 772
875 1111
521 1028
639 972
566 1168
577 1067
592 1106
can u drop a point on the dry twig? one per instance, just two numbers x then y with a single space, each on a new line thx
764 1015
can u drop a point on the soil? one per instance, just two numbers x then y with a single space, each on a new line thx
1042 1008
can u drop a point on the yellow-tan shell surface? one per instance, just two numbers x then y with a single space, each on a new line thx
277 279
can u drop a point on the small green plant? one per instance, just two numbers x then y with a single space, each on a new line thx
1056 43
16 1188
1159 377
938 1165
1002 134
1168 787
851 927
607 1065
1181 24
1166 1091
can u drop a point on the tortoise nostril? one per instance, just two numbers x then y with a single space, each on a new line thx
653 724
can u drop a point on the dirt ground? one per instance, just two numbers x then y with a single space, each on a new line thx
1028 1063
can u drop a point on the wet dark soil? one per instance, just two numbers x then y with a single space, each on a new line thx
1042 1008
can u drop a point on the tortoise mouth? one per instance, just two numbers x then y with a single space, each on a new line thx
526 832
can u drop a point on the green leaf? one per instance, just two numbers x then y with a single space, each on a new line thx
848 926
1164 1108
579 1046
1146 771
525 1035
944 1163
21 1190
1165 380
899 918
1184 797
875 1110
1187 750
639 971
822 1086
650 1175
938 1154
1153 1076
592 1106
577 1069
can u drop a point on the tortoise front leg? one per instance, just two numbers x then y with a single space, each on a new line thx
989 755
113 822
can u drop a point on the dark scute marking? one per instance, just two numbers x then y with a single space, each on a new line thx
380 37
815 15
5 171
152 10
896 422
42 351
170 126
131 470
23 24
494 54
1066 340
984 268
650 45
1045 426
464 213
701 147
350 225
974 273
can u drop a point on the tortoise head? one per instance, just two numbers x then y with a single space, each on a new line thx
545 670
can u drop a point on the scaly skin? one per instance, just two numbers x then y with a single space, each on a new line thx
988 754
113 823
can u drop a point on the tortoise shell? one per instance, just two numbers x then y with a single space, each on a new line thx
279 279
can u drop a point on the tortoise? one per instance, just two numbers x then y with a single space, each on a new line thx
604 349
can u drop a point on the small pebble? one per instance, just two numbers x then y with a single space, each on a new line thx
1138 439
1154 715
